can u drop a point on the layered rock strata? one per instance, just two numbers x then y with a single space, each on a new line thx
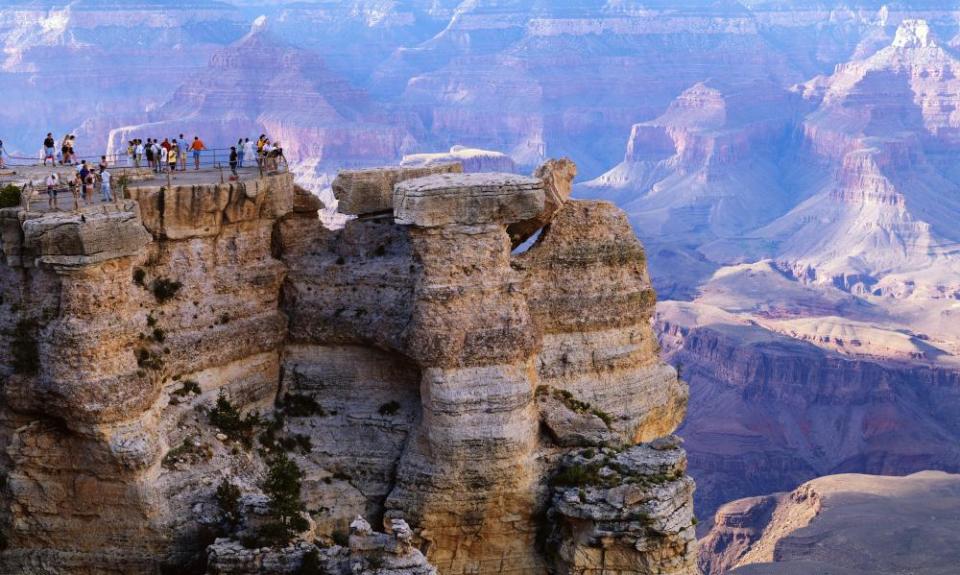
419 375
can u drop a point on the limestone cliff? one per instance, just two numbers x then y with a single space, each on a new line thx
177 358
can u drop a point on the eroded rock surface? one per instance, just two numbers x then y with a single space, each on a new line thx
415 372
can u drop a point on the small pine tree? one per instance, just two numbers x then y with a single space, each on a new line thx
282 487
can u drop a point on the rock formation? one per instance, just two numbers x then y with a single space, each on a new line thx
181 357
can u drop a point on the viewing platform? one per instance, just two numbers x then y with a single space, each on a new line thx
147 206
121 177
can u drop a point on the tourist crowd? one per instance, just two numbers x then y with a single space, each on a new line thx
167 156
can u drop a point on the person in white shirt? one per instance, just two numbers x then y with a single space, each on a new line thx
249 151
105 186
138 153
53 180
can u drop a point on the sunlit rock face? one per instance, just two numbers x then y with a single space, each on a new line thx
490 411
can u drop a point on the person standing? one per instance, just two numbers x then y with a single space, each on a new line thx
249 152
157 157
84 173
197 147
172 156
88 186
149 151
3 152
103 163
164 157
234 159
105 192
49 153
75 186
261 142
138 152
52 181
182 146
240 152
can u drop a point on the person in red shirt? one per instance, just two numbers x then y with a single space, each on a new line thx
197 147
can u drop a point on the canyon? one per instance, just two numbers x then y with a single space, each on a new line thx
788 167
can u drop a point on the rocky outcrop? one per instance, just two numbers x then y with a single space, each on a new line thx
407 369
624 512
842 524
367 553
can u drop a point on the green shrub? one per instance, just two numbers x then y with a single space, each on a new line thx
296 405
26 352
187 388
389 409
282 488
9 196
578 476
165 289
225 417
311 564
139 276
146 359
577 406
228 499
187 452
341 538
159 335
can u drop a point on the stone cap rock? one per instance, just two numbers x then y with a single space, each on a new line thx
370 191
467 199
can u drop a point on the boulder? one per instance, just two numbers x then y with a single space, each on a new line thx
467 199
370 191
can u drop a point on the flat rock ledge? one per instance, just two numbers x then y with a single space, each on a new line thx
467 199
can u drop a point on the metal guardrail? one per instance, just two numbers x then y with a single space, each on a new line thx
210 157
213 161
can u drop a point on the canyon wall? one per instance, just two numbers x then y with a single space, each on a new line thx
492 412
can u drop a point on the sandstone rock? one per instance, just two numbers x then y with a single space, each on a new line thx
396 360
629 512
467 199
306 202
371 191
557 177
